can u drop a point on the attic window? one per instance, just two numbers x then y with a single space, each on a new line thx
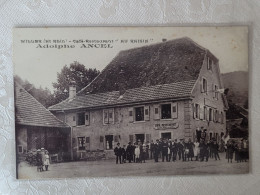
210 64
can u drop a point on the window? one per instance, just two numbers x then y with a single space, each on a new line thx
197 107
20 149
81 143
166 111
156 110
205 113
108 116
204 85
80 119
210 64
139 114
210 114
216 91
222 117
109 142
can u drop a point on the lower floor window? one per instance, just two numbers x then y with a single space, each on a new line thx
109 142
81 143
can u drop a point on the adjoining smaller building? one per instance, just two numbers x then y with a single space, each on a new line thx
36 127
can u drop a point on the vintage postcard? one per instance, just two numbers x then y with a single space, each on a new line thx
131 101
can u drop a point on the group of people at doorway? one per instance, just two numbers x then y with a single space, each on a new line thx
167 150
186 150
42 160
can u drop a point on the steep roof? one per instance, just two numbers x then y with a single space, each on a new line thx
136 95
28 111
162 63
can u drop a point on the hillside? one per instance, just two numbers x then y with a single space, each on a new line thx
237 83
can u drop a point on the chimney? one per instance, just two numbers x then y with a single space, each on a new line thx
72 90
121 82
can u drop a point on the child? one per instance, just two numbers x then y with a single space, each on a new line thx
39 161
47 160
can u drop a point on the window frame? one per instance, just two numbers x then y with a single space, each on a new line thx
77 119
108 112
136 107
83 143
205 91
161 114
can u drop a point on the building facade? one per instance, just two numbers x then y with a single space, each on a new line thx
166 110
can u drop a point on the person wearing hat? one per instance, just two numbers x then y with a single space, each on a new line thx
164 150
143 154
43 157
174 150
181 149
39 160
129 152
118 153
124 154
156 151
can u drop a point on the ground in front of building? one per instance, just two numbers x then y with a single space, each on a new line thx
108 168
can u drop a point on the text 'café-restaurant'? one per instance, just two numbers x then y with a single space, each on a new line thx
164 90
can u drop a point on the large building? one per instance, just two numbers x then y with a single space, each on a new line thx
164 90
36 127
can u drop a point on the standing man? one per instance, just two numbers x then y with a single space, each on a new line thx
215 149
118 153
156 151
152 149
181 150
198 133
43 157
164 150
129 153
174 150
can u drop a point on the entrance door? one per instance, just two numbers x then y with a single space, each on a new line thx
166 135
139 137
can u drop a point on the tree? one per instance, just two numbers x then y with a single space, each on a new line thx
44 96
75 72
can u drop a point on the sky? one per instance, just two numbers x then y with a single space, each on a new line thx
39 64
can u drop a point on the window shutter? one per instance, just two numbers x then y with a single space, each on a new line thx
74 120
131 138
156 112
202 113
87 140
131 114
198 112
213 90
174 110
148 137
111 116
101 139
146 113
87 119
105 116
208 114
194 110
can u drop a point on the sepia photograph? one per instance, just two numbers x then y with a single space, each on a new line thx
131 101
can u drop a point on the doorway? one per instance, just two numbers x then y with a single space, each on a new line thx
166 135
139 137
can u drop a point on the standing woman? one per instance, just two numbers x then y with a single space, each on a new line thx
47 160
196 149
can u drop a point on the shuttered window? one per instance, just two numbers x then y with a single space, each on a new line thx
87 118
108 116
174 110
131 115
146 113
156 112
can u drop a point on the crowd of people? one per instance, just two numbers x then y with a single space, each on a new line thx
42 160
183 150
